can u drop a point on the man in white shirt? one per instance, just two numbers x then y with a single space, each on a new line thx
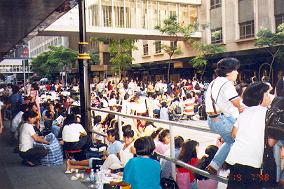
223 107
246 154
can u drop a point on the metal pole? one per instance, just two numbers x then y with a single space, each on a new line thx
172 150
120 128
24 70
83 68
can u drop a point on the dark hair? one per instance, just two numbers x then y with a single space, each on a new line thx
188 95
144 146
70 118
35 86
178 141
164 104
29 114
227 65
280 87
188 151
113 132
97 119
240 88
210 152
163 134
128 133
156 133
126 127
253 94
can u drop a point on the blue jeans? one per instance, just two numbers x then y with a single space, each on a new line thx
223 126
277 150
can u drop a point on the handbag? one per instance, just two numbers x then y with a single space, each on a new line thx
274 119
168 183
268 169
182 179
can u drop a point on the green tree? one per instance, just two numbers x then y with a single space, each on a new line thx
52 62
272 43
95 58
205 51
173 28
120 54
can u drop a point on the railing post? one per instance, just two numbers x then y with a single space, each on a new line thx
172 149
120 128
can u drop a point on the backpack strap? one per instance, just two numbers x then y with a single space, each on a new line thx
212 99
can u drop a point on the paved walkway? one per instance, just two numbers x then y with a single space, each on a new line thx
13 175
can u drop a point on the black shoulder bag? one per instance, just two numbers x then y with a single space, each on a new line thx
268 168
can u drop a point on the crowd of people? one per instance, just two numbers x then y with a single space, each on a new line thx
45 121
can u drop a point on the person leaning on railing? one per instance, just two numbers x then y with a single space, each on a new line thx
223 105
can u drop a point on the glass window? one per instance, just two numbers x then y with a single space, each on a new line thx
279 19
216 36
215 4
247 29
107 11
145 49
158 47
173 45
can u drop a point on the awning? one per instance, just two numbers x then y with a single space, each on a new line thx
20 20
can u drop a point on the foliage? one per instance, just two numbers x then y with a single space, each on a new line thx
95 58
206 51
271 42
173 28
120 54
52 62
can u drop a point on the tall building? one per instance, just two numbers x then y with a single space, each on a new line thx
237 22
40 44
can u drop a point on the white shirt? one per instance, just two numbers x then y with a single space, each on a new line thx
26 139
72 132
223 100
16 121
125 154
249 143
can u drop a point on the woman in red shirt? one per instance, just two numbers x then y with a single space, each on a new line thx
188 154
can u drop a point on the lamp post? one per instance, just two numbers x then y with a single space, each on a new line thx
83 68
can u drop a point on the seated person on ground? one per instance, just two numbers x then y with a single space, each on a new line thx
73 134
31 155
143 172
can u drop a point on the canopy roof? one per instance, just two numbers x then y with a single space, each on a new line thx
20 20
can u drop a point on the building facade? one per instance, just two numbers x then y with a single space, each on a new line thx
236 21
40 44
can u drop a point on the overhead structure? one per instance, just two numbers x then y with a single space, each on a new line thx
20 20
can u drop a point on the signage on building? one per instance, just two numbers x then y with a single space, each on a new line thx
178 65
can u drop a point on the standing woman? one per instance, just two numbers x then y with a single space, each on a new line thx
35 95
245 157
143 172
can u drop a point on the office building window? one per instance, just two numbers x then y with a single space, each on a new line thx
145 49
247 29
216 36
215 4
173 45
279 19
158 47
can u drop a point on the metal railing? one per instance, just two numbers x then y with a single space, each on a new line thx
171 124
